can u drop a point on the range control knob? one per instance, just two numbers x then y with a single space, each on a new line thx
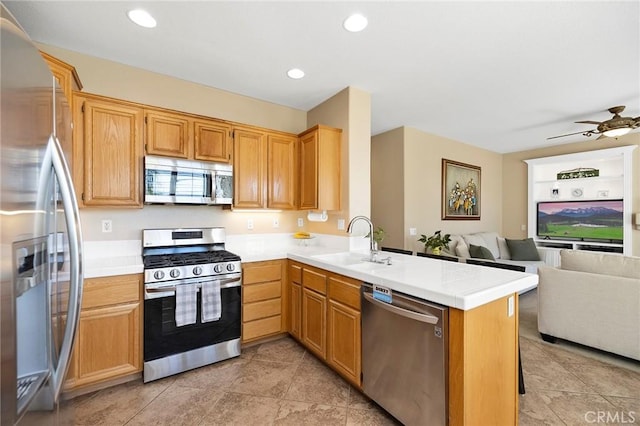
158 275
197 270
218 268
175 273
231 267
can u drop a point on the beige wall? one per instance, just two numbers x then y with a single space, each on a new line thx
349 110
124 82
387 184
422 164
515 176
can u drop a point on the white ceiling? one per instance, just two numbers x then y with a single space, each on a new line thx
500 75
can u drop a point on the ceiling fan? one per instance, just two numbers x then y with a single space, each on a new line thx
611 128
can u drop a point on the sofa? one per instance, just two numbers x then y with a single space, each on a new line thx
499 249
592 299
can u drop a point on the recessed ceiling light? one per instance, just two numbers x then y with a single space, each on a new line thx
295 73
355 23
142 18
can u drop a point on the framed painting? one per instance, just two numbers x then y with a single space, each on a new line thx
460 191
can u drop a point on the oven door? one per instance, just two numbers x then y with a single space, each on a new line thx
163 338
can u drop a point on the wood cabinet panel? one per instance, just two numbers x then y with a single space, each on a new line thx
295 272
344 345
315 279
260 328
263 301
211 141
167 134
262 309
295 297
282 172
111 290
345 290
259 272
248 168
314 322
320 169
108 343
262 291
112 152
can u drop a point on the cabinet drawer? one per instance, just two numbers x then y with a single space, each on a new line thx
344 290
267 308
295 273
262 327
261 272
106 291
314 280
262 291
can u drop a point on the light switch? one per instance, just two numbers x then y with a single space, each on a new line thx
413 231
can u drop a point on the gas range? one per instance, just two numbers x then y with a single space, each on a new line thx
178 254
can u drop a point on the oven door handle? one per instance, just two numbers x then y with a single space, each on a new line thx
172 288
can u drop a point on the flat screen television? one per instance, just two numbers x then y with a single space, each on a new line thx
584 220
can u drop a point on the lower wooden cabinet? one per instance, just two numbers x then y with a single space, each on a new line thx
324 315
262 299
108 342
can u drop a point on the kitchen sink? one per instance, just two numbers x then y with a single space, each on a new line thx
346 258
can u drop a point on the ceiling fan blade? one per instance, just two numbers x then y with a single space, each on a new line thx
587 133
588 122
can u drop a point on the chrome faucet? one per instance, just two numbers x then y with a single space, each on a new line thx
373 246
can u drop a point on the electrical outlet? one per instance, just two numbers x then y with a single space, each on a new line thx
300 222
107 225
340 224
413 231
276 223
250 224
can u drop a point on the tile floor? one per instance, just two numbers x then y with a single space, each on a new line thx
279 383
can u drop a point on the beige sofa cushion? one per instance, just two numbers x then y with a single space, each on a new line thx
600 263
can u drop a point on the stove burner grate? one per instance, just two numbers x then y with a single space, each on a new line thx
184 259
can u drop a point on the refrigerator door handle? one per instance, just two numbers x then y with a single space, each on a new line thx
72 216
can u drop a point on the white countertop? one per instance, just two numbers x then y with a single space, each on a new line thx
452 284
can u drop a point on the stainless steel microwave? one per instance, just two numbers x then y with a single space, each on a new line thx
176 181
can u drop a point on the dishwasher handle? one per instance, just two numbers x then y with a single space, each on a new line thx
429 319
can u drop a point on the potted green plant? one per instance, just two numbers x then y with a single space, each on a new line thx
435 242
378 236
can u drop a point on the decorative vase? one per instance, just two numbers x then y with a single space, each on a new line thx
436 250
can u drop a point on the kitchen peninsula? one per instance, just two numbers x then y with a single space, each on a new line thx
482 384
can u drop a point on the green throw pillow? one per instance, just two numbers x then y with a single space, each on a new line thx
480 252
523 249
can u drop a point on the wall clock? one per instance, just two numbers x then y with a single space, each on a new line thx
576 192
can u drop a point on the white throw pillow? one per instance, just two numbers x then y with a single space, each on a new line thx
504 249
491 242
462 250
474 239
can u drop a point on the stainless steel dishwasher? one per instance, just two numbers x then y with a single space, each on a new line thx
404 355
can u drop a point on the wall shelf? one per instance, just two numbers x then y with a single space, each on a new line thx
610 185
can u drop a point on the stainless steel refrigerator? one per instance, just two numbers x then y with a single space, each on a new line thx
41 242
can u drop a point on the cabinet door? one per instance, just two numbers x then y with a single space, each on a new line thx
295 327
211 141
108 343
344 346
309 171
282 172
112 153
314 322
248 168
167 134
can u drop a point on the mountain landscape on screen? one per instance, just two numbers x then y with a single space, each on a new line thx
581 220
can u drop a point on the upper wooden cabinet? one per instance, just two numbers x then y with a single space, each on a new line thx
264 169
320 168
212 140
111 151
178 135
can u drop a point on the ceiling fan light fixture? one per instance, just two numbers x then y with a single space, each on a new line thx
355 23
614 133
142 18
